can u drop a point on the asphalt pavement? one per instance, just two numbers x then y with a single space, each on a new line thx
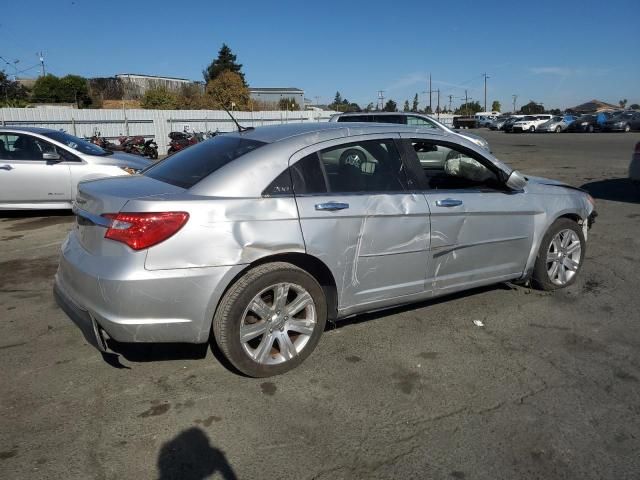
548 388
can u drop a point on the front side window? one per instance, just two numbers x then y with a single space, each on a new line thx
365 166
189 166
448 167
23 147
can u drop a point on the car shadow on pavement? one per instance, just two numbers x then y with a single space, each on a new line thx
190 456
157 352
616 189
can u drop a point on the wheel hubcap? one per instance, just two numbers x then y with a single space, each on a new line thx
278 323
563 257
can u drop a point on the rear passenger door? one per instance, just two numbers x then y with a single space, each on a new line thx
360 218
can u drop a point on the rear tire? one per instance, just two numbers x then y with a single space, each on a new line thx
560 256
627 128
532 129
558 129
263 307
590 129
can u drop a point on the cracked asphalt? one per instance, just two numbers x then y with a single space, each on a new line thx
548 389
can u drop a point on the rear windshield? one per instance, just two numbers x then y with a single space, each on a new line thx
189 166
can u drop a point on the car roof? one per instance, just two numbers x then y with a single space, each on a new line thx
39 130
323 131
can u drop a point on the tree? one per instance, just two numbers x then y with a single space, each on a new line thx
428 110
159 98
288 104
370 108
470 108
495 106
634 106
226 61
406 106
226 89
46 89
390 106
337 100
532 108
12 94
623 103
414 106
74 88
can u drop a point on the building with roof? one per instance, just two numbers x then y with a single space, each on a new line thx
594 106
273 95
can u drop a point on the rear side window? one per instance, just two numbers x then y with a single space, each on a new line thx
189 166
308 176
354 118
401 119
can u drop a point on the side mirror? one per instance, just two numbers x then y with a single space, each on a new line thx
516 181
51 156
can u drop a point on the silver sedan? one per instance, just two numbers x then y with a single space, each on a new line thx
40 168
256 239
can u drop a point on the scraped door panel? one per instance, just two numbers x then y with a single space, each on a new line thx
376 248
487 237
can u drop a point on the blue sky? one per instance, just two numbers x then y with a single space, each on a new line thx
559 52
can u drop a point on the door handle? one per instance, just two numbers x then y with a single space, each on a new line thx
6 167
331 206
448 202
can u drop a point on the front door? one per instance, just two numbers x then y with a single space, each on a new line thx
359 218
481 232
26 177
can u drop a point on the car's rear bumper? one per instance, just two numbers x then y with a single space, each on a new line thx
138 305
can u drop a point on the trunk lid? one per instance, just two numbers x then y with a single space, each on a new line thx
110 195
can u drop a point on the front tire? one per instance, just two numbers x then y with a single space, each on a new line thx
560 256
558 129
532 129
270 320
627 128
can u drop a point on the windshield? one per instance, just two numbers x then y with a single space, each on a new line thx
76 143
189 166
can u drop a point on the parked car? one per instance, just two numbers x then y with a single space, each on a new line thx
507 126
622 122
584 123
261 236
413 119
40 168
557 124
529 123
634 167
484 119
497 123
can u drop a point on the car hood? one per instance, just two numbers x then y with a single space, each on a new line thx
121 159
550 182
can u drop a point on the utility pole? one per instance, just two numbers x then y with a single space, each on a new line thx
515 97
438 108
317 100
466 103
485 90
380 100
430 90
450 99
41 55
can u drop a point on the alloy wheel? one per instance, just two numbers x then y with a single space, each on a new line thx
563 257
278 323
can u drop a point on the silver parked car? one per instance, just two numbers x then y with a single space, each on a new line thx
40 168
557 124
403 118
261 236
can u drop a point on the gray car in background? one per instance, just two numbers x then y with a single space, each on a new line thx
258 238
557 124
40 168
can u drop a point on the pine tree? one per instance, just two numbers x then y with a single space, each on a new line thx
226 61
414 107
406 107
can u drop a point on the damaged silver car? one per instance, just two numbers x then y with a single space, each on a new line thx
258 238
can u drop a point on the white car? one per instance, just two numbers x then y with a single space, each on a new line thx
530 122
40 168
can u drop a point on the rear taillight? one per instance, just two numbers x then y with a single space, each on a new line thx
143 230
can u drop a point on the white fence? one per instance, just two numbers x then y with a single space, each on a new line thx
154 123
148 123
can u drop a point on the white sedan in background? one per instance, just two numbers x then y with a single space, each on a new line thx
40 168
530 122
